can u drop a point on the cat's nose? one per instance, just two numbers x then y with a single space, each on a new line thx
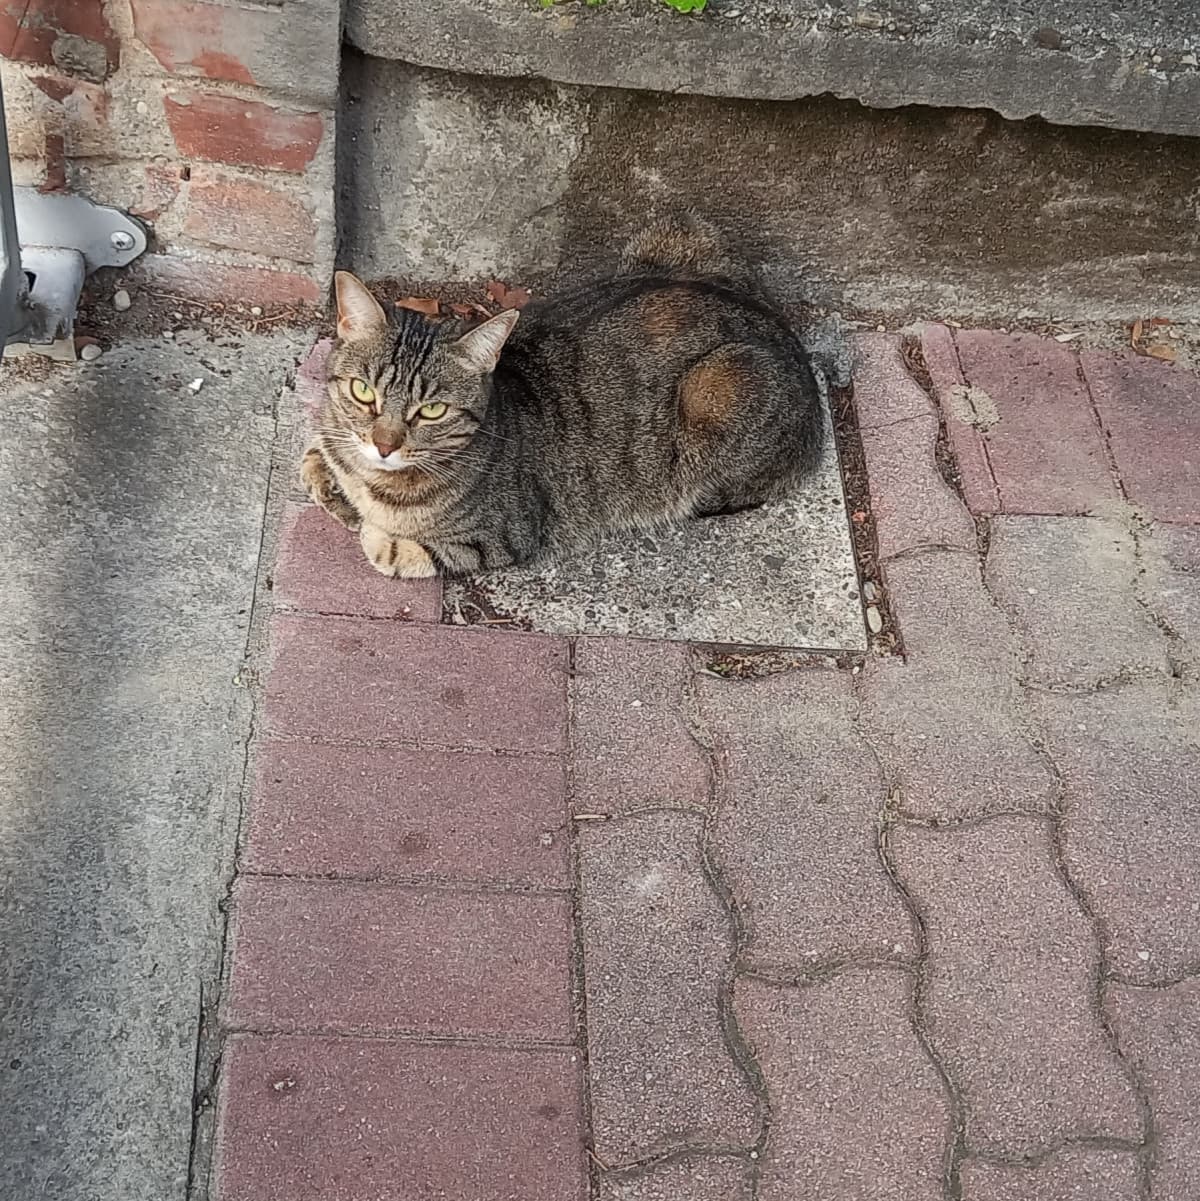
384 448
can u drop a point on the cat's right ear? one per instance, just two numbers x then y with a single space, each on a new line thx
358 312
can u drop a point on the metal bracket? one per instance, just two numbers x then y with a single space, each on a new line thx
63 239
49 243
106 237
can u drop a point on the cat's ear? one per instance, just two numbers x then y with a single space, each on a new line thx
479 349
358 312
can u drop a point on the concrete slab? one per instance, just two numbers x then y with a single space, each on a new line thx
131 525
783 575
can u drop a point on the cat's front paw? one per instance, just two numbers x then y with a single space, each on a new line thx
398 557
322 489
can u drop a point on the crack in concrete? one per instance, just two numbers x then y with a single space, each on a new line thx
983 442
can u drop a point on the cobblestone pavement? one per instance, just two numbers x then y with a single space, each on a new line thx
522 919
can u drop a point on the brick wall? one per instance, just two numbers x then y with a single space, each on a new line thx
212 120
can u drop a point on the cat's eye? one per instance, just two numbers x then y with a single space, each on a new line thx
362 391
433 412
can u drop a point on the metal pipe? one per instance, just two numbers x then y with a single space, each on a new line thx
14 287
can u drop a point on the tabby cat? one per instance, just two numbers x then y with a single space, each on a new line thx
671 389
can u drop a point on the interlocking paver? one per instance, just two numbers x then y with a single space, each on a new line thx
858 1111
337 957
1130 762
657 944
970 455
1035 421
321 569
884 390
699 1178
1070 584
337 811
346 1119
796 836
1170 588
911 503
949 724
631 742
1072 1174
1008 988
1158 1029
356 680
1151 413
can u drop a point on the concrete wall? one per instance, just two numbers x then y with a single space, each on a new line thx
213 122
924 210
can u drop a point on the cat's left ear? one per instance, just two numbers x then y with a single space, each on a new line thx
480 349
358 312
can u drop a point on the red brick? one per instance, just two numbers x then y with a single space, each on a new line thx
356 958
312 1119
631 708
226 129
321 569
912 504
1072 1174
71 35
975 473
1008 988
656 943
884 390
241 215
1158 1030
186 275
431 815
796 837
1130 762
859 1112
371 681
1045 449
1151 413
290 49
79 112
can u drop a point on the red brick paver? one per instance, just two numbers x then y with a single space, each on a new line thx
324 1119
1151 413
328 810
346 958
1074 1174
367 681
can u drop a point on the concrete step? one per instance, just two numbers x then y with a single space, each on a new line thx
1073 62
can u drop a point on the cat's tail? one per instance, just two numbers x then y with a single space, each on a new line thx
685 244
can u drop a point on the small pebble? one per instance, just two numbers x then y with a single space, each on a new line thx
90 352
256 310
870 592
196 385
121 300
168 333
874 619
142 108
1143 955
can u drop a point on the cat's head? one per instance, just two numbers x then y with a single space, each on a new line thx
408 392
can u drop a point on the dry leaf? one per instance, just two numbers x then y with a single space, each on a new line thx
420 304
506 297
1160 321
859 517
517 298
1165 354
1136 334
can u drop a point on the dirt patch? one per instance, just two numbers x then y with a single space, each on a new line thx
886 638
